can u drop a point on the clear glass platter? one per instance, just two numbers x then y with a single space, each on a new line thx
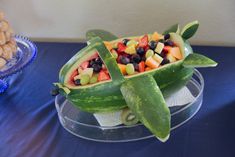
85 125
26 53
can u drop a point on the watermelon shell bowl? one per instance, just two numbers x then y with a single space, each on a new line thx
133 75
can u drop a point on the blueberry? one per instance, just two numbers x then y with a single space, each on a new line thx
128 56
136 66
165 61
169 43
135 58
116 49
162 54
124 59
77 82
124 41
98 61
167 36
140 51
96 67
152 44
91 62
54 92
143 58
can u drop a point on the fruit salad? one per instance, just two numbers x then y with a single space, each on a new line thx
111 74
133 55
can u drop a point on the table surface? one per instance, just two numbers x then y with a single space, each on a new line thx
29 125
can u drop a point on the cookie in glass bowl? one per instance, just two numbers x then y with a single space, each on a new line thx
8 45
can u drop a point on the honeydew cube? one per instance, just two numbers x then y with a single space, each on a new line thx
87 71
130 69
157 58
132 42
159 47
149 53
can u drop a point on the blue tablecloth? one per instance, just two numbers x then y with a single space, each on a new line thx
29 125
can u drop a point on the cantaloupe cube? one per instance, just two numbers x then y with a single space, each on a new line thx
175 51
122 67
150 62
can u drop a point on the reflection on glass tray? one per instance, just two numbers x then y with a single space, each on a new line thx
85 125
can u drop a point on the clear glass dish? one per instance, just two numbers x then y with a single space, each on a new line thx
26 53
85 125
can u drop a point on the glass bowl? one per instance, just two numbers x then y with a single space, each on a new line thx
85 125
26 53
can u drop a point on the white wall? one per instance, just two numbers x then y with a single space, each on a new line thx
70 19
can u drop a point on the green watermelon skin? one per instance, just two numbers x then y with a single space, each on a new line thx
107 97
151 110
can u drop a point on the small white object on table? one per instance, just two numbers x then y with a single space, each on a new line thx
180 98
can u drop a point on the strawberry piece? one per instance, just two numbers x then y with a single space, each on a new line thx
84 65
141 66
106 71
143 41
121 47
166 48
103 76
146 48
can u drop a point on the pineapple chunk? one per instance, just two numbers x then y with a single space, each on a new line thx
87 71
155 36
131 50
